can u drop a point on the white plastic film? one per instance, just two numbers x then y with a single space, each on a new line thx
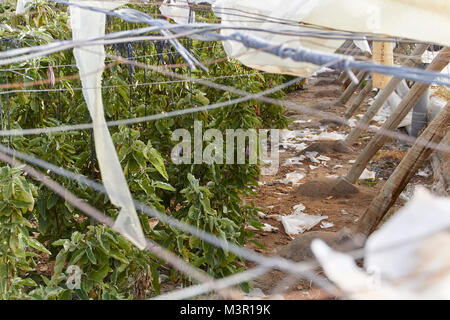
427 21
254 14
406 258
178 10
363 45
90 61
21 6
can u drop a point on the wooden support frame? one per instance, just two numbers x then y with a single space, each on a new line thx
358 100
408 102
437 131
346 95
382 97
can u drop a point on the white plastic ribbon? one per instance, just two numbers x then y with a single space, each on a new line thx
21 6
90 61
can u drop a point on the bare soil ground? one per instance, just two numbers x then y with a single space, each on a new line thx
342 210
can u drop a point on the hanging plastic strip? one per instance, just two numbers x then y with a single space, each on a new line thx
86 24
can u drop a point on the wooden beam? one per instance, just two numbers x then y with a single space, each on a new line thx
382 97
413 161
346 95
408 102
358 100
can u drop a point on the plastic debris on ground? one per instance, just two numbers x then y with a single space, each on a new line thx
326 224
293 177
266 228
367 174
298 222
294 160
406 258
312 156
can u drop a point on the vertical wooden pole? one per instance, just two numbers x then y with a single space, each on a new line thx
383 53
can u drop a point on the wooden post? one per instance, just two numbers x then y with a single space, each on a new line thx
408 102
347 47
382 97
346 95
383 53
358 100
413 161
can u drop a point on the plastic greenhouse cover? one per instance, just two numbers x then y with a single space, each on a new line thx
288 10
415 19
85 25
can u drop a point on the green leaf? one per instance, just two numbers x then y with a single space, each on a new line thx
157 161
119 256
65 295
90 255
76 256
163 185
36 245
155 279
100 274
59 262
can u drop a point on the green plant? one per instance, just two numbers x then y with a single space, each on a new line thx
206 196
108 263
16 239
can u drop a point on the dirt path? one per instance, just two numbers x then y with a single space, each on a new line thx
276 198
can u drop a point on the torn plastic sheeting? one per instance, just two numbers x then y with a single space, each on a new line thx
299 222
295 160
276 9
409 254
408 19
333 136
87 24
367 174
266 228
323 158
312 156
363 45
293 177
326 225
343 271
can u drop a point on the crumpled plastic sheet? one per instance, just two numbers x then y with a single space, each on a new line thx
367 174
407 258
85 25
298 222
293 177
